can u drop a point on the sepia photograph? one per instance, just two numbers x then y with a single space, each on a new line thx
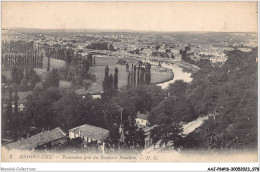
129 81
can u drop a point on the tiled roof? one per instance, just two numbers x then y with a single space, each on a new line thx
142 116
38 139
91 132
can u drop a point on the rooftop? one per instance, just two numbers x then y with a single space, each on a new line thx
37 140
142 116
91 132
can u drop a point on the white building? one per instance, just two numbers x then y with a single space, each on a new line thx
90 134
142 119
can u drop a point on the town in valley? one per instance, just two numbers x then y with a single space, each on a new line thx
129 81
113 92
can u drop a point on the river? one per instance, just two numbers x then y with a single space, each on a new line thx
179 74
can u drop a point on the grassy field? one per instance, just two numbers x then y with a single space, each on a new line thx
99 71
54 63
102 60
159 74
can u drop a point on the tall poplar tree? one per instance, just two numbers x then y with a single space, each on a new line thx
116 79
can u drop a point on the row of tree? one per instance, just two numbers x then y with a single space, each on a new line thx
139 75
22 60
110 83
101 46
24 78
78 69
17 47
65 54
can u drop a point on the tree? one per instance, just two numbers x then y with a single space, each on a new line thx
140 98
170 134
69 110
187 48
34 78
148 74
134 75
16 98
52 79
40 108
15 75
48 65
204 63
105 83
229 94
142 76
140 138
111 47
178 88
116 79
134 138
85 68
177 109
111 83
129 79
157 47
4 79
138 74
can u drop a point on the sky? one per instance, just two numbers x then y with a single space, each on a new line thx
139 16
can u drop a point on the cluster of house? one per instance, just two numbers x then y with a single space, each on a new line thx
88 133
92 135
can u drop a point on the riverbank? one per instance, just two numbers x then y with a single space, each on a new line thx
161 76
181 70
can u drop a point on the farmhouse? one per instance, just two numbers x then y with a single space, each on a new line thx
90 134
142 119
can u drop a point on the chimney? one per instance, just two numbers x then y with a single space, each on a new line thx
28 135
42 130
147 113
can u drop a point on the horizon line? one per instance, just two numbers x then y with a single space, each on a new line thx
120 30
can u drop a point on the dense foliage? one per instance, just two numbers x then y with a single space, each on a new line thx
230 94
227 94
17 47
101 46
